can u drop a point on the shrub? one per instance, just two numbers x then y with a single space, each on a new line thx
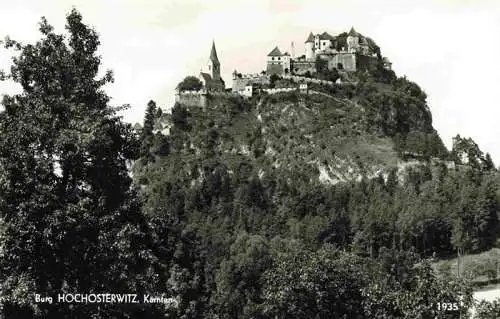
190 83
488 310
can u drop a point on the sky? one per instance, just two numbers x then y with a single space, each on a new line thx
451 49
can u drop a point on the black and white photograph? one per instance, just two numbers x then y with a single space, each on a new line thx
253 159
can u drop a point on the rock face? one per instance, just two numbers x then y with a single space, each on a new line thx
330 135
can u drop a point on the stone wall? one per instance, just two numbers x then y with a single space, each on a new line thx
365 62
347 60
192 98
274 91
302 67
223 94
239 84
307 80
199 98
275 69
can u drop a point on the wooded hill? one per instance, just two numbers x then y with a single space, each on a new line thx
284 206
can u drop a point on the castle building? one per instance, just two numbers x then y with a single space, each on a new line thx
346 52
352 41
319 44
277 62
212 80
310 48
241 82
349 53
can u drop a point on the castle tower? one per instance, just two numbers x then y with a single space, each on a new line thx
352 41
309 44
214 64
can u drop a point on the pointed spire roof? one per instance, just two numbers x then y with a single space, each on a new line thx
353 32
213 54
275 52
310 38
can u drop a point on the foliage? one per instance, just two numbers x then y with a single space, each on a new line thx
322 284
70 223
273 79
232 217
412 290
488 310
190 83
266 235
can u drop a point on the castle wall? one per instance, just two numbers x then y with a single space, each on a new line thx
286 64
199 98
365 62
275 68
301 67
239 84
274 91
348 61
192 98
249 79
307 80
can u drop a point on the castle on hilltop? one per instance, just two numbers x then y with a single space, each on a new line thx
346 52
349 52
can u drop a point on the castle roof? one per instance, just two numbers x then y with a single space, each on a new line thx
207 78
352 32
275 52
326 36
286 53
213 54
310 38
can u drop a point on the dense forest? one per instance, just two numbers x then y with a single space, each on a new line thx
330 205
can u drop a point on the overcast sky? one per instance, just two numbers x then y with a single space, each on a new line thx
450 48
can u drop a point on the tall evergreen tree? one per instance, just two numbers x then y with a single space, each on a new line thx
147 136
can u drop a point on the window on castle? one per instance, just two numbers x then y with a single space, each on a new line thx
272 58
279 58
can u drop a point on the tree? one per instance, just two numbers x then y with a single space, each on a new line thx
149 120
238 277
415 294
70 223
488 164
190 83
147 132
488 310
161 145
322 284
273 78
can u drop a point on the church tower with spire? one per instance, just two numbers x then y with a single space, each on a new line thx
214 64
211 79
